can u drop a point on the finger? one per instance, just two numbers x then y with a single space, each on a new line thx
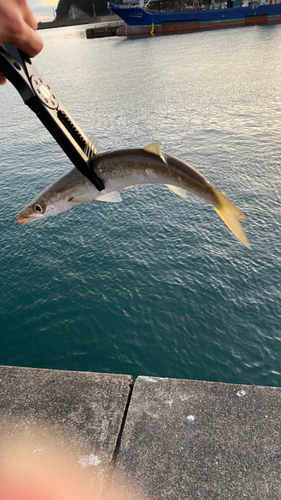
2 79
28 41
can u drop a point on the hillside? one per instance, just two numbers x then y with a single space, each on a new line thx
84 5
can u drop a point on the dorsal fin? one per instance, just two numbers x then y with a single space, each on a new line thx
154 147
92 147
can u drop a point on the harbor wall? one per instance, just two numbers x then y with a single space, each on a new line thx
175 439
74 22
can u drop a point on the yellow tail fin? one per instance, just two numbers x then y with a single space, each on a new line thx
229 214
223 201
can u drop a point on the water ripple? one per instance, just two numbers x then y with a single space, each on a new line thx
156 285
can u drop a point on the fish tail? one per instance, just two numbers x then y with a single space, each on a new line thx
230 215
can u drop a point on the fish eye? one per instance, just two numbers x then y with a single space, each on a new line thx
38 209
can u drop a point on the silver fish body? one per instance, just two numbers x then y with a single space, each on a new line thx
124 168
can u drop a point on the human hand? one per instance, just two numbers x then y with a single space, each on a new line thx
33 468
18 27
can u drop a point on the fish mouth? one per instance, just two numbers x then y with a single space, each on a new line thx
24 220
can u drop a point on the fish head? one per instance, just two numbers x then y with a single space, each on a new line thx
43 207
38 210
62 195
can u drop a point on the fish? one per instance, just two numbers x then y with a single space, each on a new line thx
125 168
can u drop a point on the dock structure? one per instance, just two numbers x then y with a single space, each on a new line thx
174 439
104 30
76 22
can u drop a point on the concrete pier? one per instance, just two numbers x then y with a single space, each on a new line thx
84 409
190 440
175 439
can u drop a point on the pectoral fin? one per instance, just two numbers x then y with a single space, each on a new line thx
179 191
80 199
113 197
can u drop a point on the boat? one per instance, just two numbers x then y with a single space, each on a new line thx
162 17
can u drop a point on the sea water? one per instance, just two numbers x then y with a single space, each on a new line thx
155 285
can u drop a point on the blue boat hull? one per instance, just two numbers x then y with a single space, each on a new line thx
141 22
